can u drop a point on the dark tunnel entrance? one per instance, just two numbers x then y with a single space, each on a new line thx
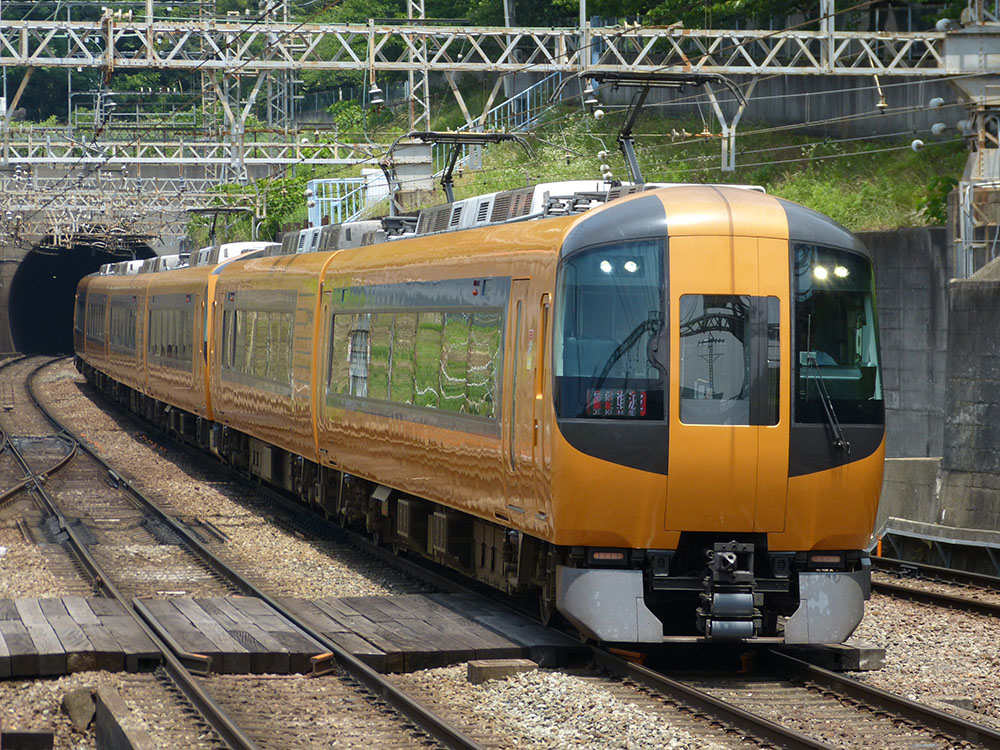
42 291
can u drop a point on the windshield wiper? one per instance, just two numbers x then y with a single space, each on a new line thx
831 416
651 325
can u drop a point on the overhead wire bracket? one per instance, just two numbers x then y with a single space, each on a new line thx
645 81
457 141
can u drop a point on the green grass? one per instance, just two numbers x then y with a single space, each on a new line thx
864 184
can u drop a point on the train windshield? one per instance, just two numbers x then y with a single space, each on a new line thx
610 348
836 345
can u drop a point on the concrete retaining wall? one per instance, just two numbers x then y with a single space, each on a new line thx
911 279
908 491
970 464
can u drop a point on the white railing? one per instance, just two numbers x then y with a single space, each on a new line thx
516 114
346 199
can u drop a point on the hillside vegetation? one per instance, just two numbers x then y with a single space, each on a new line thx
864 184
870 184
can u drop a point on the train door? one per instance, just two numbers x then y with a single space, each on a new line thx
728 454
518 433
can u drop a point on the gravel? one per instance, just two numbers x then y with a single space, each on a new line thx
938 587
546 709
287 565
23 570
36 706
935 656
932 655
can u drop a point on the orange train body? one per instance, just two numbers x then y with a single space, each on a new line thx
662 415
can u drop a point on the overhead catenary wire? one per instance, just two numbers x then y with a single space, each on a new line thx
525 68
264 12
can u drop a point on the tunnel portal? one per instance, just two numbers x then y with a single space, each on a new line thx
42 292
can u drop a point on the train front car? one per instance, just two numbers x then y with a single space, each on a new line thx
718 458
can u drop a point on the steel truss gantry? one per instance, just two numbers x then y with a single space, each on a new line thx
242 61
265 47
106 207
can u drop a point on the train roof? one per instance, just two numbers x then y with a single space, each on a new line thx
545 200
213 255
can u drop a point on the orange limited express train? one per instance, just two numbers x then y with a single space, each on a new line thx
657 409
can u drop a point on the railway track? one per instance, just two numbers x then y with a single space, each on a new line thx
817 709
939 587
794 704
86 507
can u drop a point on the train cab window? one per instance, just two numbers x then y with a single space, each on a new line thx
609 354
715 359
730 357
836 345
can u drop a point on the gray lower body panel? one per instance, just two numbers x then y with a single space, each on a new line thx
831 606
608 605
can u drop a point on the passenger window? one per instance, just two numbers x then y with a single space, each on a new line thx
455 361
358 354
340 371
404 344
484 355
430 327
378 366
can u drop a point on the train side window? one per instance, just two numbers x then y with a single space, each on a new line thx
485 337
380 343
772 398
275 353
359 353
81 313
249 323
427 383
339 380
455 361
258 367
404 344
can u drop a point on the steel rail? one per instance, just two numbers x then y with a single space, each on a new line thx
937 599
957 727
6 444
740 718
412 710
936 573
180 675
759 727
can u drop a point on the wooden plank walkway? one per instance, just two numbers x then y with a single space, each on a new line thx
241 635
44 637
420 631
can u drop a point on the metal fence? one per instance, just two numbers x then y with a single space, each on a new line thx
516 114
337 201
347 199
